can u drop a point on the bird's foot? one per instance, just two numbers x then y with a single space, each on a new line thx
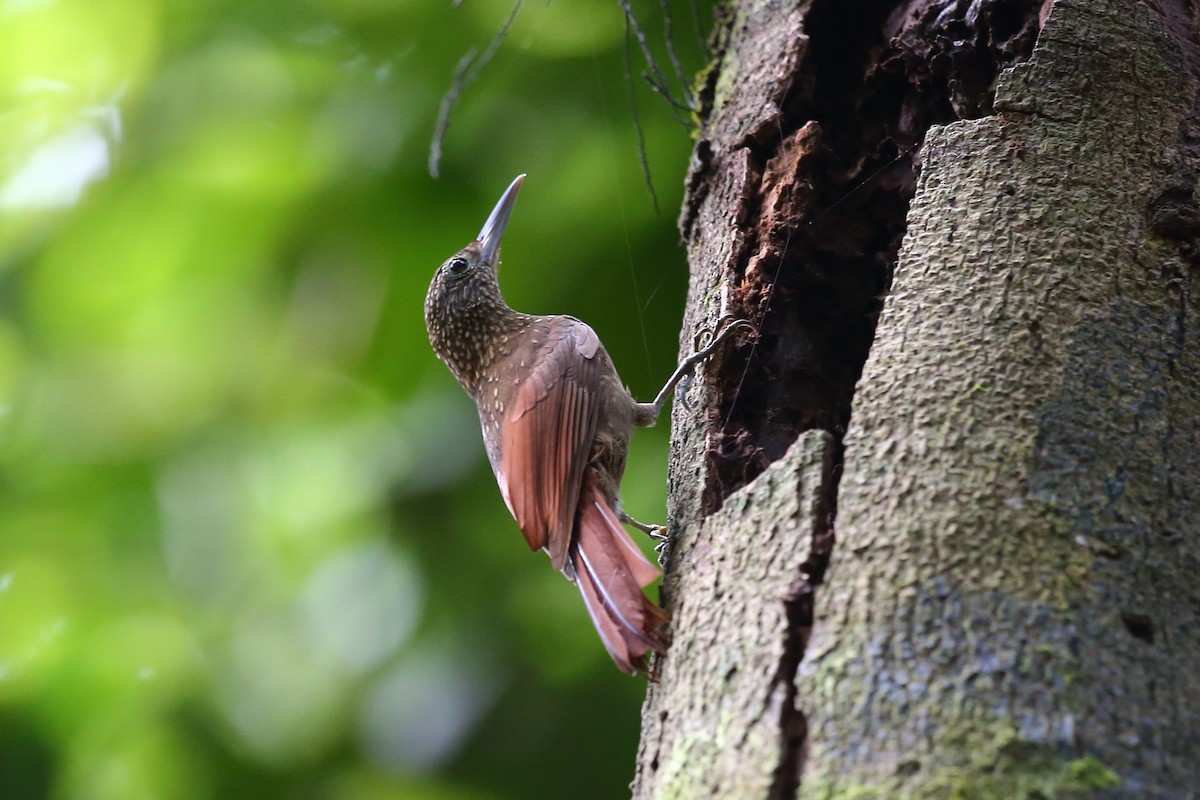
707 340
681 391
656 532
660 551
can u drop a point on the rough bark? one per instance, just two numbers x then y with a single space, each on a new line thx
1010 609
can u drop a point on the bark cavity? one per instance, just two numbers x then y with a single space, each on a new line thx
838 166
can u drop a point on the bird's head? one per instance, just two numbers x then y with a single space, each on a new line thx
469 276
464 302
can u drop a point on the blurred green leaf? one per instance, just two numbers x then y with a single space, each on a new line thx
249 544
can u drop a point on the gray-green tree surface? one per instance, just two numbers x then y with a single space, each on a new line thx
970 570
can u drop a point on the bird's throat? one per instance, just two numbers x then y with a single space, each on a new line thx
471 340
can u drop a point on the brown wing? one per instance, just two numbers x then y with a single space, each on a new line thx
547 434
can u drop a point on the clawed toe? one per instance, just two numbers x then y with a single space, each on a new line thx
685 385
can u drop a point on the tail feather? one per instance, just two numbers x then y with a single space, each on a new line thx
610 571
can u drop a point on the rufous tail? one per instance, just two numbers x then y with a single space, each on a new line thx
610 571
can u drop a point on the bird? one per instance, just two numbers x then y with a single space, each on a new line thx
556 423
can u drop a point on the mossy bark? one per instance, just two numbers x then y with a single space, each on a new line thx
1010 609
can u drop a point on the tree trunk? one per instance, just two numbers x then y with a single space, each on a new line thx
948 549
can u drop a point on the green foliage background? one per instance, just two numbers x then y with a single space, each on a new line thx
249 544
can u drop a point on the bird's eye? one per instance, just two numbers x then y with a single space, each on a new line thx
458 266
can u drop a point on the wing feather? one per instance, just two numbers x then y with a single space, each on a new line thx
547 434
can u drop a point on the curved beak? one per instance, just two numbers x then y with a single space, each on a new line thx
497 221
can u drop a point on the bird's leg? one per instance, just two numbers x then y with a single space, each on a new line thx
655 532
725 328
706 342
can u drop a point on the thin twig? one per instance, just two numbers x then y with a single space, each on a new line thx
637 122
700 37
659 78
668 35
665 94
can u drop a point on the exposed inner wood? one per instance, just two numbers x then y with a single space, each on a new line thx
836 169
